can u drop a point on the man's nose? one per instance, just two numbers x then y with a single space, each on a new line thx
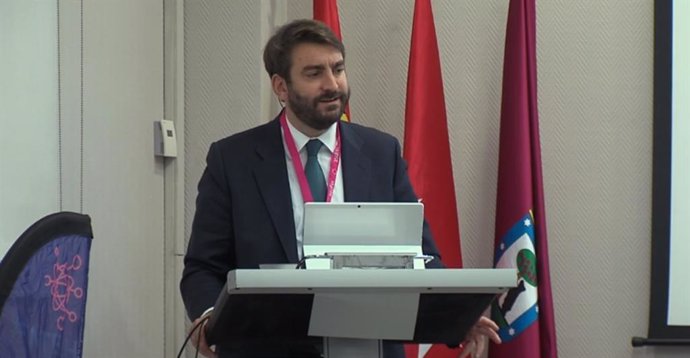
330 81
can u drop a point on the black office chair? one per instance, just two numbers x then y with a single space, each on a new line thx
43 283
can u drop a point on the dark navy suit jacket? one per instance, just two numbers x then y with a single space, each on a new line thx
244 209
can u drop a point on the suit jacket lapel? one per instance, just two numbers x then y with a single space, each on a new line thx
271 178
356 166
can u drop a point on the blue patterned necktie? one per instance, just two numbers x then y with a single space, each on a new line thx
313 172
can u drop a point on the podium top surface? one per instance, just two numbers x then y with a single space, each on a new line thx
262 305
267 281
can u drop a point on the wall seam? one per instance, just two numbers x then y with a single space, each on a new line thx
81 104
59 98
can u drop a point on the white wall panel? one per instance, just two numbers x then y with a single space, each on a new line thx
595 63
29 145
223 78
123 181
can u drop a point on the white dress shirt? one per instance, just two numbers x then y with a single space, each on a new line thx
328 138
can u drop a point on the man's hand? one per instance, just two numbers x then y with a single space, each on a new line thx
474 343
199 340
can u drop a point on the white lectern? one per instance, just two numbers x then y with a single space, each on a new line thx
354 309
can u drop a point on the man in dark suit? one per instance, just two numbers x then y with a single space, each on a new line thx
251 196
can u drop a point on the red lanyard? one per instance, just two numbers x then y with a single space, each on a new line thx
299 169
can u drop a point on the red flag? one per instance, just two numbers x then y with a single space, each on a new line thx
525 313
427 149
326 11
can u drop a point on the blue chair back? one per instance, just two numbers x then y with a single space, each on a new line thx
43 284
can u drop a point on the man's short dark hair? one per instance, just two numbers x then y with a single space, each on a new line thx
278 50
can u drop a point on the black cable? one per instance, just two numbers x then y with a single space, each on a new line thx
198 341
189 336
302 264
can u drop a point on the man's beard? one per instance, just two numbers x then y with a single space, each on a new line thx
307 109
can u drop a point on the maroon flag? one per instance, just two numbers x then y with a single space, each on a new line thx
525 313
427 150
326 11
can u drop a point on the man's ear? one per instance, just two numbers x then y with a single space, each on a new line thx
279 87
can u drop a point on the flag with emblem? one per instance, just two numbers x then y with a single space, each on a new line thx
326 11
524 313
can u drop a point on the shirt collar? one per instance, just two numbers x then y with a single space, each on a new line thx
327 137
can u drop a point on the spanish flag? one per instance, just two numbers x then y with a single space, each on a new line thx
326 11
